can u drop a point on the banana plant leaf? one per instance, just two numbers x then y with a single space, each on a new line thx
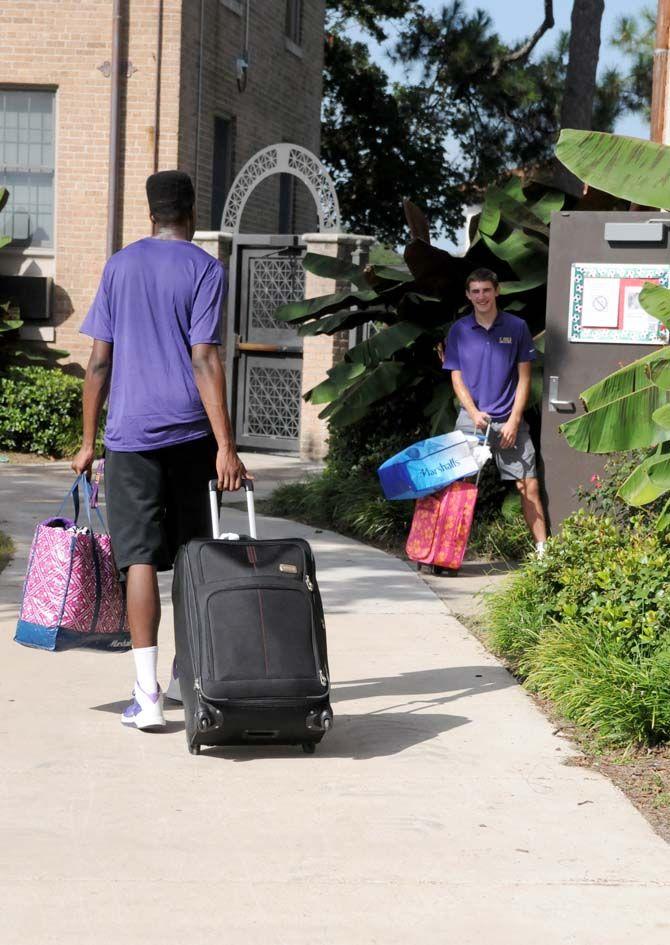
659 374
305 309
661 415
441 408
663 520
548 203
10 325
340 377
489 219
387 378
521 215
365 356
632 168
345 321
4 240
655 300
387 275
531 281
384 343
436 271
629 379
620 425
523 253
330 267
648 482
417 221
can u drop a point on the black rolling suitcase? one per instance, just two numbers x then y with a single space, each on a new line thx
250 639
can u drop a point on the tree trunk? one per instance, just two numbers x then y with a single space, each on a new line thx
660 126
580 81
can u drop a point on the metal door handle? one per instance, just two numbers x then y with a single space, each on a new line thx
556 405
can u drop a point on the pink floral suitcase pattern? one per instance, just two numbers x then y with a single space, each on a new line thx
441 526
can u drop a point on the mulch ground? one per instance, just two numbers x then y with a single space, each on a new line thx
6 550
25 459
644 777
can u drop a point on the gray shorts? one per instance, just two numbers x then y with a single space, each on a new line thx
518 462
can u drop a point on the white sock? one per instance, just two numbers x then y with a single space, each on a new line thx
539 548
146 659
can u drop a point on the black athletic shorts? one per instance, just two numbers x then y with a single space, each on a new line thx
157 500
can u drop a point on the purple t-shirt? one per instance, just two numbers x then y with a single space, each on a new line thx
488 359
157 298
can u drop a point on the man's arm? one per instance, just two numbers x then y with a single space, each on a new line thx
211 384
480 420
510 429
96 388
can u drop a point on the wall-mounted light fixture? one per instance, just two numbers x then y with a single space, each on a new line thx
242 61
649 231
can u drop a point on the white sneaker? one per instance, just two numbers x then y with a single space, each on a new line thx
173 690
145 711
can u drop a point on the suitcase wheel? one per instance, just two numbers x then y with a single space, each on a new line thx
309 748
437 570
204 721
194 749
418 566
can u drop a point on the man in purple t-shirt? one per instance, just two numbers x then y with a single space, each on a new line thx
155 322
489 354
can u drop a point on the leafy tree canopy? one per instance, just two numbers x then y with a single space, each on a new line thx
470 109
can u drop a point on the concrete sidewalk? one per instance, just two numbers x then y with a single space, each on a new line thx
438 810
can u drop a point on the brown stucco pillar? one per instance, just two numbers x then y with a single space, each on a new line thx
322 352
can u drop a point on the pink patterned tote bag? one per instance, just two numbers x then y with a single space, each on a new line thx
72 596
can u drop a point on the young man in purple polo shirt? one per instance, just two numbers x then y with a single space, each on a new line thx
156 325
489 354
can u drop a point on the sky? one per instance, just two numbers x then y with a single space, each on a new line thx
531 13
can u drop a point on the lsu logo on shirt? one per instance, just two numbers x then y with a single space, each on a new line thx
504 340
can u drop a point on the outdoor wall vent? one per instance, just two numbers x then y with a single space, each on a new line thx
32 295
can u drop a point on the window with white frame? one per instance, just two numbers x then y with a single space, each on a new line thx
293 28
27 165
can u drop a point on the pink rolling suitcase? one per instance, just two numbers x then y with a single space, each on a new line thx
441 527
442 523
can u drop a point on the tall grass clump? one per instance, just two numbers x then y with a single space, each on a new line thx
588 626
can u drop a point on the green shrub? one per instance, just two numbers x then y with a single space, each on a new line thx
589 625
594 682
352 505
40 411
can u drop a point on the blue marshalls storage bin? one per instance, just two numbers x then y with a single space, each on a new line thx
427 466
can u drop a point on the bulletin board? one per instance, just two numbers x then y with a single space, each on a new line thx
605 304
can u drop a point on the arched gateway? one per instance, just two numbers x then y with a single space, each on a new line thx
264 356
283 159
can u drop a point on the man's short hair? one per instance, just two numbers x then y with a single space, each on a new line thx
171 196
482 275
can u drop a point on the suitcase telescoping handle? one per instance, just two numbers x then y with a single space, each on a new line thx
251 509
486 443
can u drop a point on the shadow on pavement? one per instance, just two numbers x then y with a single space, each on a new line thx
359 737
116 708
459 681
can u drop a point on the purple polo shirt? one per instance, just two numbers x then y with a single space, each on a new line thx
157 298
488 359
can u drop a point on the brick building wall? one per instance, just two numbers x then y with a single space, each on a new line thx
59 45
281 101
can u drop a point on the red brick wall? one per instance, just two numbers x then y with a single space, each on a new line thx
61 43
281 102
